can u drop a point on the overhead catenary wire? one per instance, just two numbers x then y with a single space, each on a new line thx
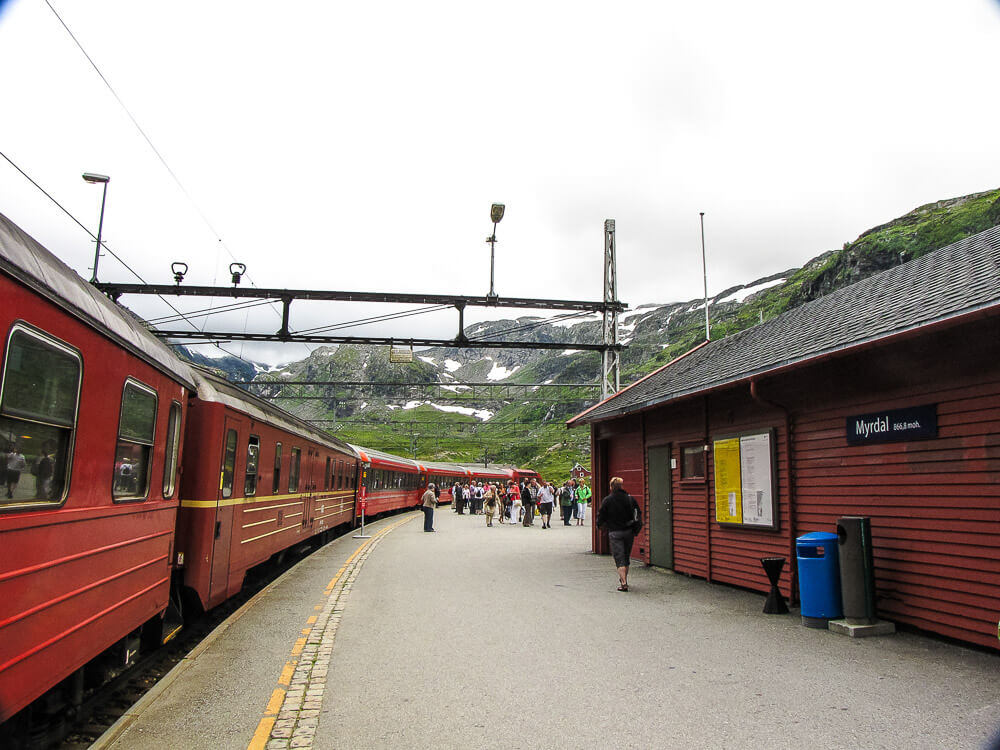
162 161
104 243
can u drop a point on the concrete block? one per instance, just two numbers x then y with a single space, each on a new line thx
879 627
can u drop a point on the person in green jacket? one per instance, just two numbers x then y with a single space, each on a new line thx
583 495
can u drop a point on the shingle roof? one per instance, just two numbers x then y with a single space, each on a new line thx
954 280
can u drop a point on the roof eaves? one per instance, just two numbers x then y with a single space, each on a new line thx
572 422
795 363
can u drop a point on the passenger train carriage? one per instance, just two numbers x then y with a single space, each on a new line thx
256 481
91 411
445 475
389 482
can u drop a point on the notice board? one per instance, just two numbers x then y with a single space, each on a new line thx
744 480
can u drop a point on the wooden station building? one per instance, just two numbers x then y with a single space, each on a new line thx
881 399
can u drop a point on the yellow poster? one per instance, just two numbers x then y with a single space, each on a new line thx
728 492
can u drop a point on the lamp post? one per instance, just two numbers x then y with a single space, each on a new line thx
496 214
95 179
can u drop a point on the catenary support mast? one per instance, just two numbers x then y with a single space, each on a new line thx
611 370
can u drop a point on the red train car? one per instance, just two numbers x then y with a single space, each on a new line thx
444 475
491 474
520 474
91 411
256 481
389 482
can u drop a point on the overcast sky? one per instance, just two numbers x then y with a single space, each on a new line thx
358 146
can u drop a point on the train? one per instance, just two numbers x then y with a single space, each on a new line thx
138 487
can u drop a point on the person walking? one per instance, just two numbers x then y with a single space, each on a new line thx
619 514
546 498
566 502
515 503
529 495
583 494
503 502
478 493
489 503
429 503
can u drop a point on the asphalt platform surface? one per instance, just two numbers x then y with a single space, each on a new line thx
512 637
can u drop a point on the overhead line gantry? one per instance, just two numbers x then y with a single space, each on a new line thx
609 308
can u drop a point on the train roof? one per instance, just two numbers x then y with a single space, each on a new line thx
373 456
214 389
25 260
443 467
484 472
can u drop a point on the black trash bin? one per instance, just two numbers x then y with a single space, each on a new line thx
857 569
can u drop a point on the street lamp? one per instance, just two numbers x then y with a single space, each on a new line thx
496 214
94 179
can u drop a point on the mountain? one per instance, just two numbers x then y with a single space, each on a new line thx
508 423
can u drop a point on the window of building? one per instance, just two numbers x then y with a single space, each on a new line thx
136 429
293 470
173 448
229 464
276 483
253 456
693 461
38 410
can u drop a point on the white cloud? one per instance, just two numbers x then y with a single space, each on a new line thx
769 124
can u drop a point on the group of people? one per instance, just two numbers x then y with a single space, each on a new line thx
515 502
15 464
619 512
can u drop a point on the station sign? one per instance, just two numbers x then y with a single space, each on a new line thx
893 425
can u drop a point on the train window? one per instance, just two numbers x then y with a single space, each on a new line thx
136 428
38 409
340 475
326 475
293 470
229 464
276 483
173 447
253 456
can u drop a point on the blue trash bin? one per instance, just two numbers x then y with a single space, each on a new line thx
819 578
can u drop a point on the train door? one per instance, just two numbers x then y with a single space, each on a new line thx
310 480
223 532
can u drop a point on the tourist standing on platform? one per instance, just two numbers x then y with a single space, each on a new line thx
458 493
619 514
429 503
546 497
529 495
478 493
583 494
503 505
489 503
515 502
567 502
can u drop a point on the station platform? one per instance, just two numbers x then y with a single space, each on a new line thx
513 637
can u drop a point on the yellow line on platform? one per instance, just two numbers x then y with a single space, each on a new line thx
274 705
263 733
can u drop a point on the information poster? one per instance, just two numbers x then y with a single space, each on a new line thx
744 471
728 500
755 472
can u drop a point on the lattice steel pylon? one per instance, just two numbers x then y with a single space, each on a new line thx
611 364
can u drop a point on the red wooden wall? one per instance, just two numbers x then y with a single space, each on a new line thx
934 504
